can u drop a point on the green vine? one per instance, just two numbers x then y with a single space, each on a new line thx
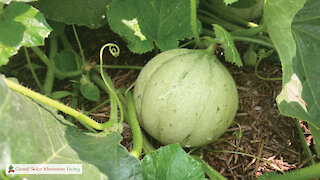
79 44
48 83
134 124
304 143
260 77
47 61
229 16
121 67
209 18
32 70
253 40
194 23
115 51
37 96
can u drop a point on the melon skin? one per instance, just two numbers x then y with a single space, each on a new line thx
185 96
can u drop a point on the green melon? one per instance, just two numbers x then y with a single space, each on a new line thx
185 96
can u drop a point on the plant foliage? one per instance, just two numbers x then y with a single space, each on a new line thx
81 12
20 25
145 22
33 133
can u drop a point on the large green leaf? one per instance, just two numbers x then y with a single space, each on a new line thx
90 13
20 25
32 133
143 22
296 36
298 47
171 163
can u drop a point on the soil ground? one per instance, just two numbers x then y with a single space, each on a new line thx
265 133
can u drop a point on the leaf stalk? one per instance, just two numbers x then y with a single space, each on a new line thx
194 23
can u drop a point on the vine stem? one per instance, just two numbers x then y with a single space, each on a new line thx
253 40
99 106
79 44
134 124
115 51
46 60
209 18
236 19
113 103
48 83
249 32
36 96
32 70
304 143
263 78
73 102
239 38
194 23
212 173
147 146
121 67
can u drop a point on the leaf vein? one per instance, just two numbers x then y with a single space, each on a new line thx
305 71
305 32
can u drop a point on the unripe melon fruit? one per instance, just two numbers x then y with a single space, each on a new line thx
185 96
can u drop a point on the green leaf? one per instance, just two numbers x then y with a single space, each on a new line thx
211 173
227 43
32 133
267 176
66 61
298 45
60 94
171 162
90 92
310 172
144 22
20 25
34 66
81 12
58 28
9 1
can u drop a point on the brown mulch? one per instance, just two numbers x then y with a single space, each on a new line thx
265 132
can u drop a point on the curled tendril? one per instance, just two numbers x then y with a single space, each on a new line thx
113 49
115 52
